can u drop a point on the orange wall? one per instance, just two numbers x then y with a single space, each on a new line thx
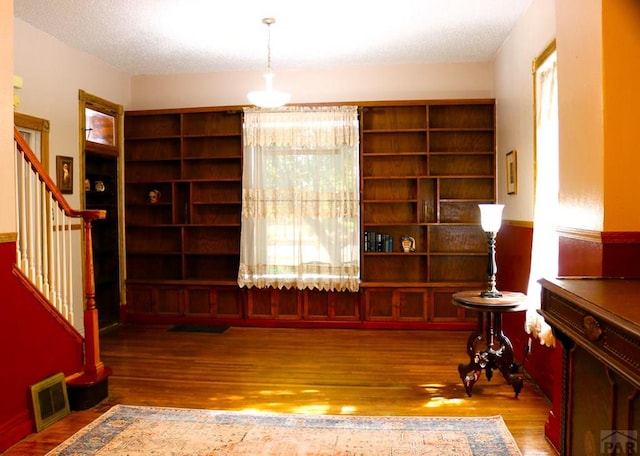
621 66
579 48
7 189
598 99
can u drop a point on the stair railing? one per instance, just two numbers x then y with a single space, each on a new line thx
44 246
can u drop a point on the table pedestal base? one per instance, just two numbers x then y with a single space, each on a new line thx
489 349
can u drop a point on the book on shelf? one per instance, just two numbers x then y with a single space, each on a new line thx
377 242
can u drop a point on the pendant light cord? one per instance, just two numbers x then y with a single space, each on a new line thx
268 21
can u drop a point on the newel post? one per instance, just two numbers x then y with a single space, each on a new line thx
92 362
89 387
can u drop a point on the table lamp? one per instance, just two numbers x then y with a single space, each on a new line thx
491 219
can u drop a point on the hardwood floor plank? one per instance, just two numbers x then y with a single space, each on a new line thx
324 371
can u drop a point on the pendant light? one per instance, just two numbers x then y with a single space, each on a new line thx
268 98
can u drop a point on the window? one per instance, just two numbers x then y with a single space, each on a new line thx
544 250
300 199
100 127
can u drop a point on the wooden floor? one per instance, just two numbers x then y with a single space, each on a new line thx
320 371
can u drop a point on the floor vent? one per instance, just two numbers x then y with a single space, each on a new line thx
50 401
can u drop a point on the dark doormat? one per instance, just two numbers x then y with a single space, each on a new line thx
199 329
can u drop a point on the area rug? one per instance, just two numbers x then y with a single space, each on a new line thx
137 431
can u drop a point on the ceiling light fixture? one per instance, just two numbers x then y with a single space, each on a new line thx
268 98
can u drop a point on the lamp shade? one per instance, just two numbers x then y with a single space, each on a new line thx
491 217
268 98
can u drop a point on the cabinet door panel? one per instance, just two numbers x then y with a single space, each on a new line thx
412 305
169 300
379 304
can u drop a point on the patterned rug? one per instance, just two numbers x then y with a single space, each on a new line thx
137 431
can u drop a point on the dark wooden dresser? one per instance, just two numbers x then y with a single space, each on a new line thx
597 322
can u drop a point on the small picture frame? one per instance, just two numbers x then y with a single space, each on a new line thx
64 173
512 173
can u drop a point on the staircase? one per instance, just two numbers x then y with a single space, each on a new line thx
49 236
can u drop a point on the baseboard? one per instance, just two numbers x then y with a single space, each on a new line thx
552 431
14 430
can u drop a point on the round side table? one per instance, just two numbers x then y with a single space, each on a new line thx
488 347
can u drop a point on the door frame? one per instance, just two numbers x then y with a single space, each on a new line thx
87 100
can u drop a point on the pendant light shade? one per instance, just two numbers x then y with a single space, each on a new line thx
268 98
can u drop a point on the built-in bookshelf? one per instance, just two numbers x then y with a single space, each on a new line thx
425 166
183 244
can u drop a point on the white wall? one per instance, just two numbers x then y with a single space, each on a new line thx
371 83
514 100
53 73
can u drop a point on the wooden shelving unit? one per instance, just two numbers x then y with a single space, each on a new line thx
425 166
183 250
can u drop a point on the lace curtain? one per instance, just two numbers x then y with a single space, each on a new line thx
544 253
300 199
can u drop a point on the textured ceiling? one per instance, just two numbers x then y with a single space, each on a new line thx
199 36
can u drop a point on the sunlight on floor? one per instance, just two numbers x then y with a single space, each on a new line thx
434 390
231 397
302 410
277 393
312 409
440 401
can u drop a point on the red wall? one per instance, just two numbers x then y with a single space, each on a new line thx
543 364
33 346
513 255
606 254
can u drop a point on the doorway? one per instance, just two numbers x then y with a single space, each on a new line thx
101 166
35 132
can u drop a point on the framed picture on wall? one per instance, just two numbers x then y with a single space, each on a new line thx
512 173
64 173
